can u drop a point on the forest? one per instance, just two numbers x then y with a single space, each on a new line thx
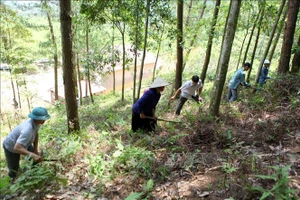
93 59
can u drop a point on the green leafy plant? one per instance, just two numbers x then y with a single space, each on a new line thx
280 188
133 159
37 176
145 194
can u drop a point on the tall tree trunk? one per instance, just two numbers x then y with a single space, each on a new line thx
113 59
13 88
251 36
261 16
201 13
242 47
285 56
124 62
269 42
19 95
55 55
279 31
134 99
27 95
145 46
88 71
244 40
179 64
158 50
79 78
210 40
296 60
222 69
187 22
68 66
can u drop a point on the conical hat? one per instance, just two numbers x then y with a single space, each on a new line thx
159 82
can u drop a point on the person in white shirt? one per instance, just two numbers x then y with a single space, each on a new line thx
189 90
23 140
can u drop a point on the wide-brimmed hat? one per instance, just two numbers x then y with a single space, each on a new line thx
39 113
159 82
266 62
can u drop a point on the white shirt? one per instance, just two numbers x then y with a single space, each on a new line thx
188 90
23 134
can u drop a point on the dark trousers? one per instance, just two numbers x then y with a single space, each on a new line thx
143 124
182 101
231 95
13 161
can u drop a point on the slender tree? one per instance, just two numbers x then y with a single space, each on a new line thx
296 60
279 31
68 66
293 9
179 64
145 47
222 68
55 51
210 40
269 42
261 16
192 42
251 36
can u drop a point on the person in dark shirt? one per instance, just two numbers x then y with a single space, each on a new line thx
263 77
143 111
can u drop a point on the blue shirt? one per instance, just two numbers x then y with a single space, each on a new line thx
147 102
237 79
23 134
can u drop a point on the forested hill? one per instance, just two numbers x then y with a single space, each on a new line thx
250 150
70 50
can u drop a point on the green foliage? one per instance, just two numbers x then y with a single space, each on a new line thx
145 194
280 188
38 176
4 184
131 159
125 159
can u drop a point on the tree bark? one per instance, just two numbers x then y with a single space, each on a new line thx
68 66
55 55
210 41
79 78
296 60
179 64
269 42
280 27
250 39
222 69
201 13
158 50
145 46
285 56
262 13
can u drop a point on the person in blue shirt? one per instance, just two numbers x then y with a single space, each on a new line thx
143 111
191 89
237 79
23 140
264 73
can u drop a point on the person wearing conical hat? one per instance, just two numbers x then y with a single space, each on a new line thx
143 111
263 77
191 89
23 140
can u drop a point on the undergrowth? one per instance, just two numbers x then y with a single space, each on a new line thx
108 150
